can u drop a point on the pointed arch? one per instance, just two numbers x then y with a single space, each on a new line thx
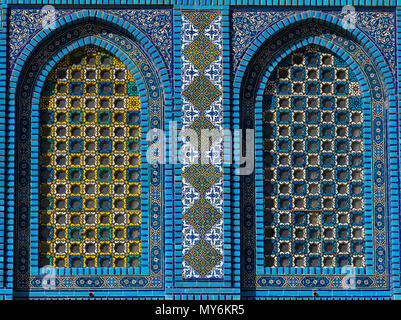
154 88
259 61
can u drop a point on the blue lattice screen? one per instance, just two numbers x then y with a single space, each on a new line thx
313 158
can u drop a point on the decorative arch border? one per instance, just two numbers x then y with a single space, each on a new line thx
321 18
367 133
324 19
95 15
154 59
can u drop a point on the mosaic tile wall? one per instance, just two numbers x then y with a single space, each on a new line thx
80 105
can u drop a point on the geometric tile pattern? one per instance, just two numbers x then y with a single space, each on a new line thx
202 52
203 257
201 58
202 177
90 163
202 19
313 163
202 216
202 92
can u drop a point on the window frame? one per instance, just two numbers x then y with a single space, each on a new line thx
367 138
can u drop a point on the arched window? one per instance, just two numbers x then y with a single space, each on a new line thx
90 211
313 171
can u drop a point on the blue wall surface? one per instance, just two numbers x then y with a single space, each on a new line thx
199 64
